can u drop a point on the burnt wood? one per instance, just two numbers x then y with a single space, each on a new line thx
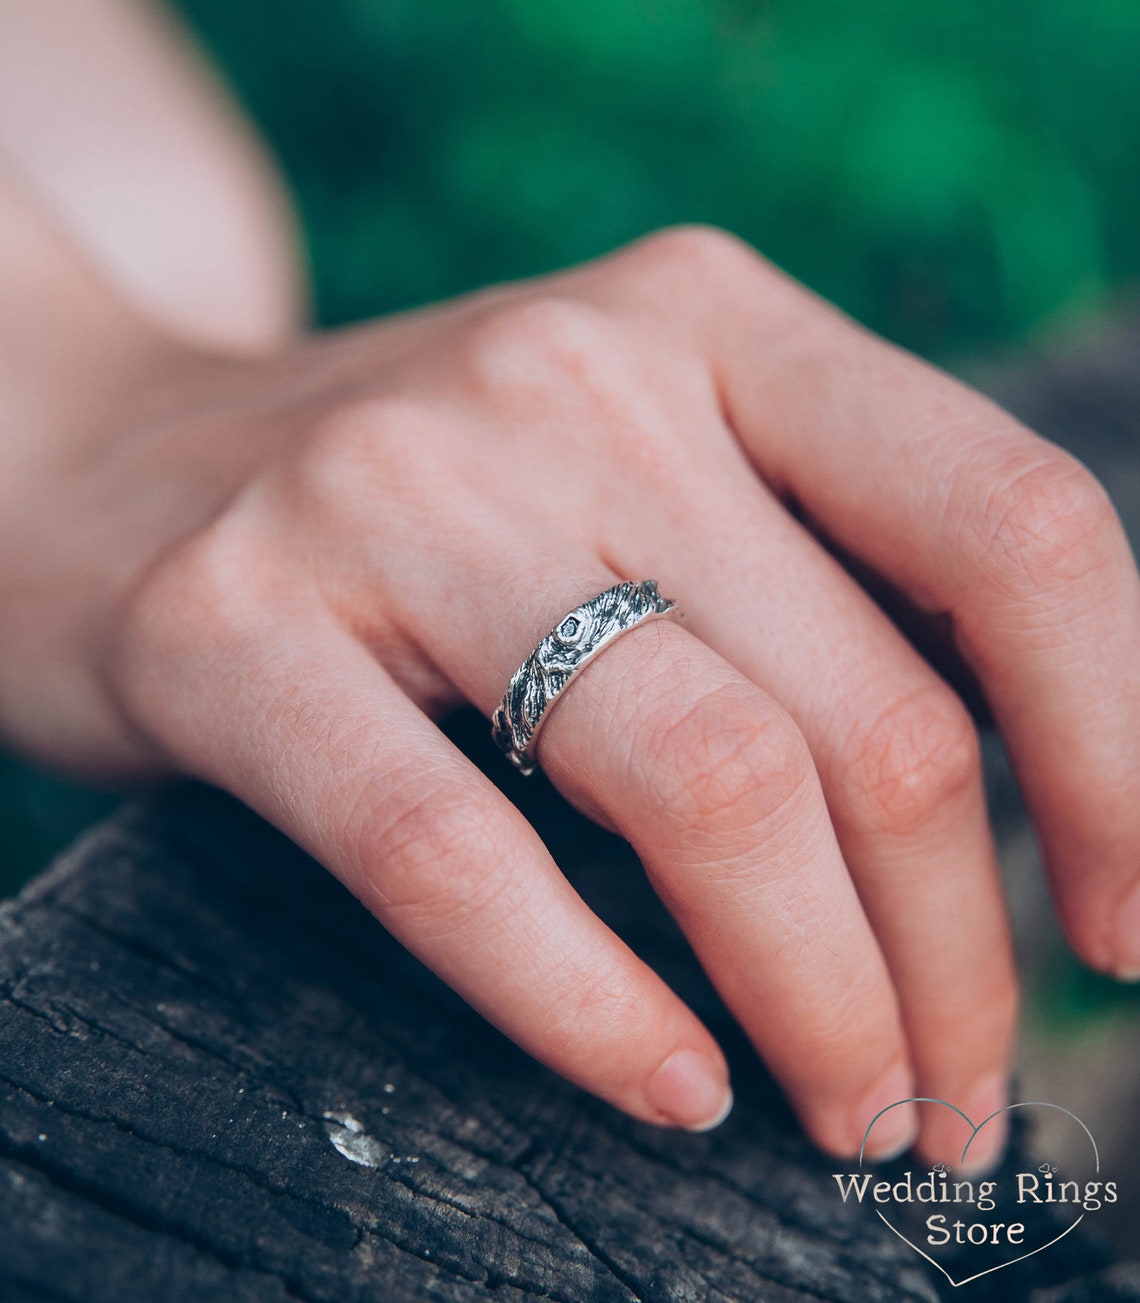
192 1013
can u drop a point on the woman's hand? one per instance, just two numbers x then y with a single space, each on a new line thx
275 575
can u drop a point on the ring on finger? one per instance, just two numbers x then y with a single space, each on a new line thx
577 638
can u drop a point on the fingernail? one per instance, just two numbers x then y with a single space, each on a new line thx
896 1129
690 1090
1127 967
986 1148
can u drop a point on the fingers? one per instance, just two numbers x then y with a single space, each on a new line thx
969 514
296 718
898 762
714 786
1021 547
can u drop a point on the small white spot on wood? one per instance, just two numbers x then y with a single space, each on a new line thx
345 1120
351 1141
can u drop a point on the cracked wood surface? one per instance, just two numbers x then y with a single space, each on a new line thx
220 1079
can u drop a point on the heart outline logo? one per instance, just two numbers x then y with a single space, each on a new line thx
925 1099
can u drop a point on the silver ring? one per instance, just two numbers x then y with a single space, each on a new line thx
575 639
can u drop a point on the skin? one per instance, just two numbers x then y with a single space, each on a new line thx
274 562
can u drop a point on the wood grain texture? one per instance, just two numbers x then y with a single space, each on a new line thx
185 998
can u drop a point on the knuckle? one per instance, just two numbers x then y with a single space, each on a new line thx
353 445
176 618
1050 523
732 766
532 340
192 594
913 759
432 862
699 250
598 1017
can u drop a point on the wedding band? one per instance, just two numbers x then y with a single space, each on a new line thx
574 640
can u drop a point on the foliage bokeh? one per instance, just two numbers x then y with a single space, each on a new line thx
953 175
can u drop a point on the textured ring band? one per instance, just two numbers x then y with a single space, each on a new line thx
576 639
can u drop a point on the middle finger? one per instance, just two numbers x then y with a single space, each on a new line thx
898 760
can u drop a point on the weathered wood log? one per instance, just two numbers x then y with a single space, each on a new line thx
221 1079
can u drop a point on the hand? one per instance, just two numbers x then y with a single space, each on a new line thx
275 575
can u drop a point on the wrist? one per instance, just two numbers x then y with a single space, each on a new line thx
80 372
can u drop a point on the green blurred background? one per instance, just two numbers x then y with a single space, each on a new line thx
957 176
952 174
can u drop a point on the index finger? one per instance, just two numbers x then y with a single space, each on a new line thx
972 515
